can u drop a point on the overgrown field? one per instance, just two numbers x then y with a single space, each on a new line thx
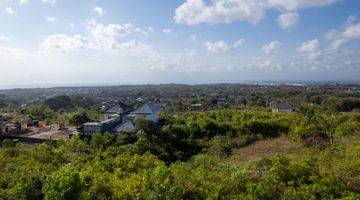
225 154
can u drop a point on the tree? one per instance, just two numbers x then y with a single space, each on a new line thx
79 118
64 184
58 102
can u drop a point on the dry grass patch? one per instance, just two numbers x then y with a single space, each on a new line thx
267 148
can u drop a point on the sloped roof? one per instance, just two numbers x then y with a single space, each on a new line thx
118 108
125 127
147 109
115 109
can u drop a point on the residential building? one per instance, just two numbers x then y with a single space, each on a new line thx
119 120
101 127
118 110
147 111
281 108
127 127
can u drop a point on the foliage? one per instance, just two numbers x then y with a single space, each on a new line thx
59 102
191 156
78 118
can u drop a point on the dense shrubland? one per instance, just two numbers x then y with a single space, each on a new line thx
191 156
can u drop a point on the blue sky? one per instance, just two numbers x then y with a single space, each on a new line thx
64 42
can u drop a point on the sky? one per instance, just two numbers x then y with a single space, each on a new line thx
91 42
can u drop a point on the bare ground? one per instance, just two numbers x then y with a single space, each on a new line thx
267 148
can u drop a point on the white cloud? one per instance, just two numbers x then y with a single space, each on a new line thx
221 46
23 2
310 48
339 38
102 39
49 1
299 4
167 31
100 11
239 43
217 47
60 43
352 31
193 12
4 38
351 19
9 11
12 53
288 20
107 36
50 19
271 48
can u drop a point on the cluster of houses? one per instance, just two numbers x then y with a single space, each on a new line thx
121 118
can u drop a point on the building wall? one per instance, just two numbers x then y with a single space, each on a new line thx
281 110
92 129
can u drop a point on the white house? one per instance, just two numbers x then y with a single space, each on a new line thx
282 108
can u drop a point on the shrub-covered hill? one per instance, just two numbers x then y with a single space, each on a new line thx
196 156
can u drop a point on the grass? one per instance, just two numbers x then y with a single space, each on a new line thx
267 148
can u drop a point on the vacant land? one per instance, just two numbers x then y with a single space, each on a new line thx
268 148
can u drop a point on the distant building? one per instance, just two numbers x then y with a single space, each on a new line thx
147 111
126 127
117 111
118 120
196 106
281 108
101 127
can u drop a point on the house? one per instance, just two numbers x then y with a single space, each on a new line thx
196 106
127 127
119 120
92 128
281 108
117 111
147 111
101 127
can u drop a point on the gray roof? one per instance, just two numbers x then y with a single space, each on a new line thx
147 109
109 120
115 110
125 127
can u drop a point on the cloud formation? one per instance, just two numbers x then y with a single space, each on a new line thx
50 19
49 1
100 11
102 39
221 46
271 48
9 11
338 38
23 2
61 43
310 48
193 12
288 20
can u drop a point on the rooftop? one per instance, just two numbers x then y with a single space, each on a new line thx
147 109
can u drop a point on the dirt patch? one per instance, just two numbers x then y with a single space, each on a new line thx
266 148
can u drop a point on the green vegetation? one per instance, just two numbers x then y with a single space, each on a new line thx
196 156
